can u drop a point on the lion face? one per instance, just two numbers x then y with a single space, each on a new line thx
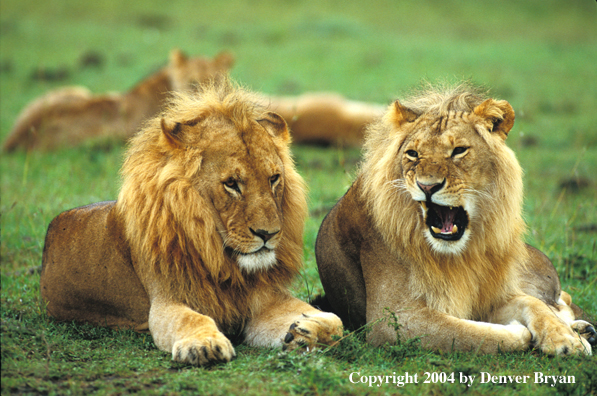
245 180
448 165
241 175
442 168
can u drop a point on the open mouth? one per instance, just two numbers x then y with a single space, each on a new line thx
445 222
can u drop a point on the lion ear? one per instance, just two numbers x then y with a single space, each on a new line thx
399 115
171 132
177 57
224 60
498 114
275 125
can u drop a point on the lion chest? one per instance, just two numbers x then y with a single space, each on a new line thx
458 290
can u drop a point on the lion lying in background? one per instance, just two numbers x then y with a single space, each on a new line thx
205 237
432 230
71 115
326 118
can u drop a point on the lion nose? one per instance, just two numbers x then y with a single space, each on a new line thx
263 234
430 189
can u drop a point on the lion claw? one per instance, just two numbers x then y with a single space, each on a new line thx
309 331
203 352
590 335
289 337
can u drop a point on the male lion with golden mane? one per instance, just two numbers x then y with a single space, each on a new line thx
205 236
70 116
432 230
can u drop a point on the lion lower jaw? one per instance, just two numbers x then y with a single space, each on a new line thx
261 260
447 247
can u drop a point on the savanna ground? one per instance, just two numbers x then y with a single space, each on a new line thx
538 54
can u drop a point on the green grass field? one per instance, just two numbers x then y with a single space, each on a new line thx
537 54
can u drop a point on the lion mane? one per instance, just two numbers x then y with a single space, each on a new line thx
178 238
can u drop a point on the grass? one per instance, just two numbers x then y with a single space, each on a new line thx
539 55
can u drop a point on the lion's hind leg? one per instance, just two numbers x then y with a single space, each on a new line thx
86 274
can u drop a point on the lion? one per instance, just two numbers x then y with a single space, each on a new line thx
203 240
326 118
432 230
69 116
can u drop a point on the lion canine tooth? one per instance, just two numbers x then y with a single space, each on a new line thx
450 207
436 230
423 204
454 229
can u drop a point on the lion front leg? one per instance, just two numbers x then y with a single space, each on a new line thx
291 323
551 334
443 332
192 338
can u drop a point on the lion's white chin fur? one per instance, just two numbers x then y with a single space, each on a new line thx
447 247
261 260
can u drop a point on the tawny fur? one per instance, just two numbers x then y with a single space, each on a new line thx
208 182
326 118
376 251
70 116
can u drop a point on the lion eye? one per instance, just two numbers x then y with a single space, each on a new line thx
274 179
232 184
412 153
459 150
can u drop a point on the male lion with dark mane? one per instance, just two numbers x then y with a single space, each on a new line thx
205 236
432 230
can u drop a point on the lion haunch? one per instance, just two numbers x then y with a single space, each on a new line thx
431 229
203 240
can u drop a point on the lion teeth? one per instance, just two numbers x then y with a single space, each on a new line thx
450 207
439 231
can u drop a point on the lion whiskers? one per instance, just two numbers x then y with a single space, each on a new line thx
399 185
471 198
481 193
225 239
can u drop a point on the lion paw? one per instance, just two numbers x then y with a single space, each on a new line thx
308 331
586 331
203 351
564 341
